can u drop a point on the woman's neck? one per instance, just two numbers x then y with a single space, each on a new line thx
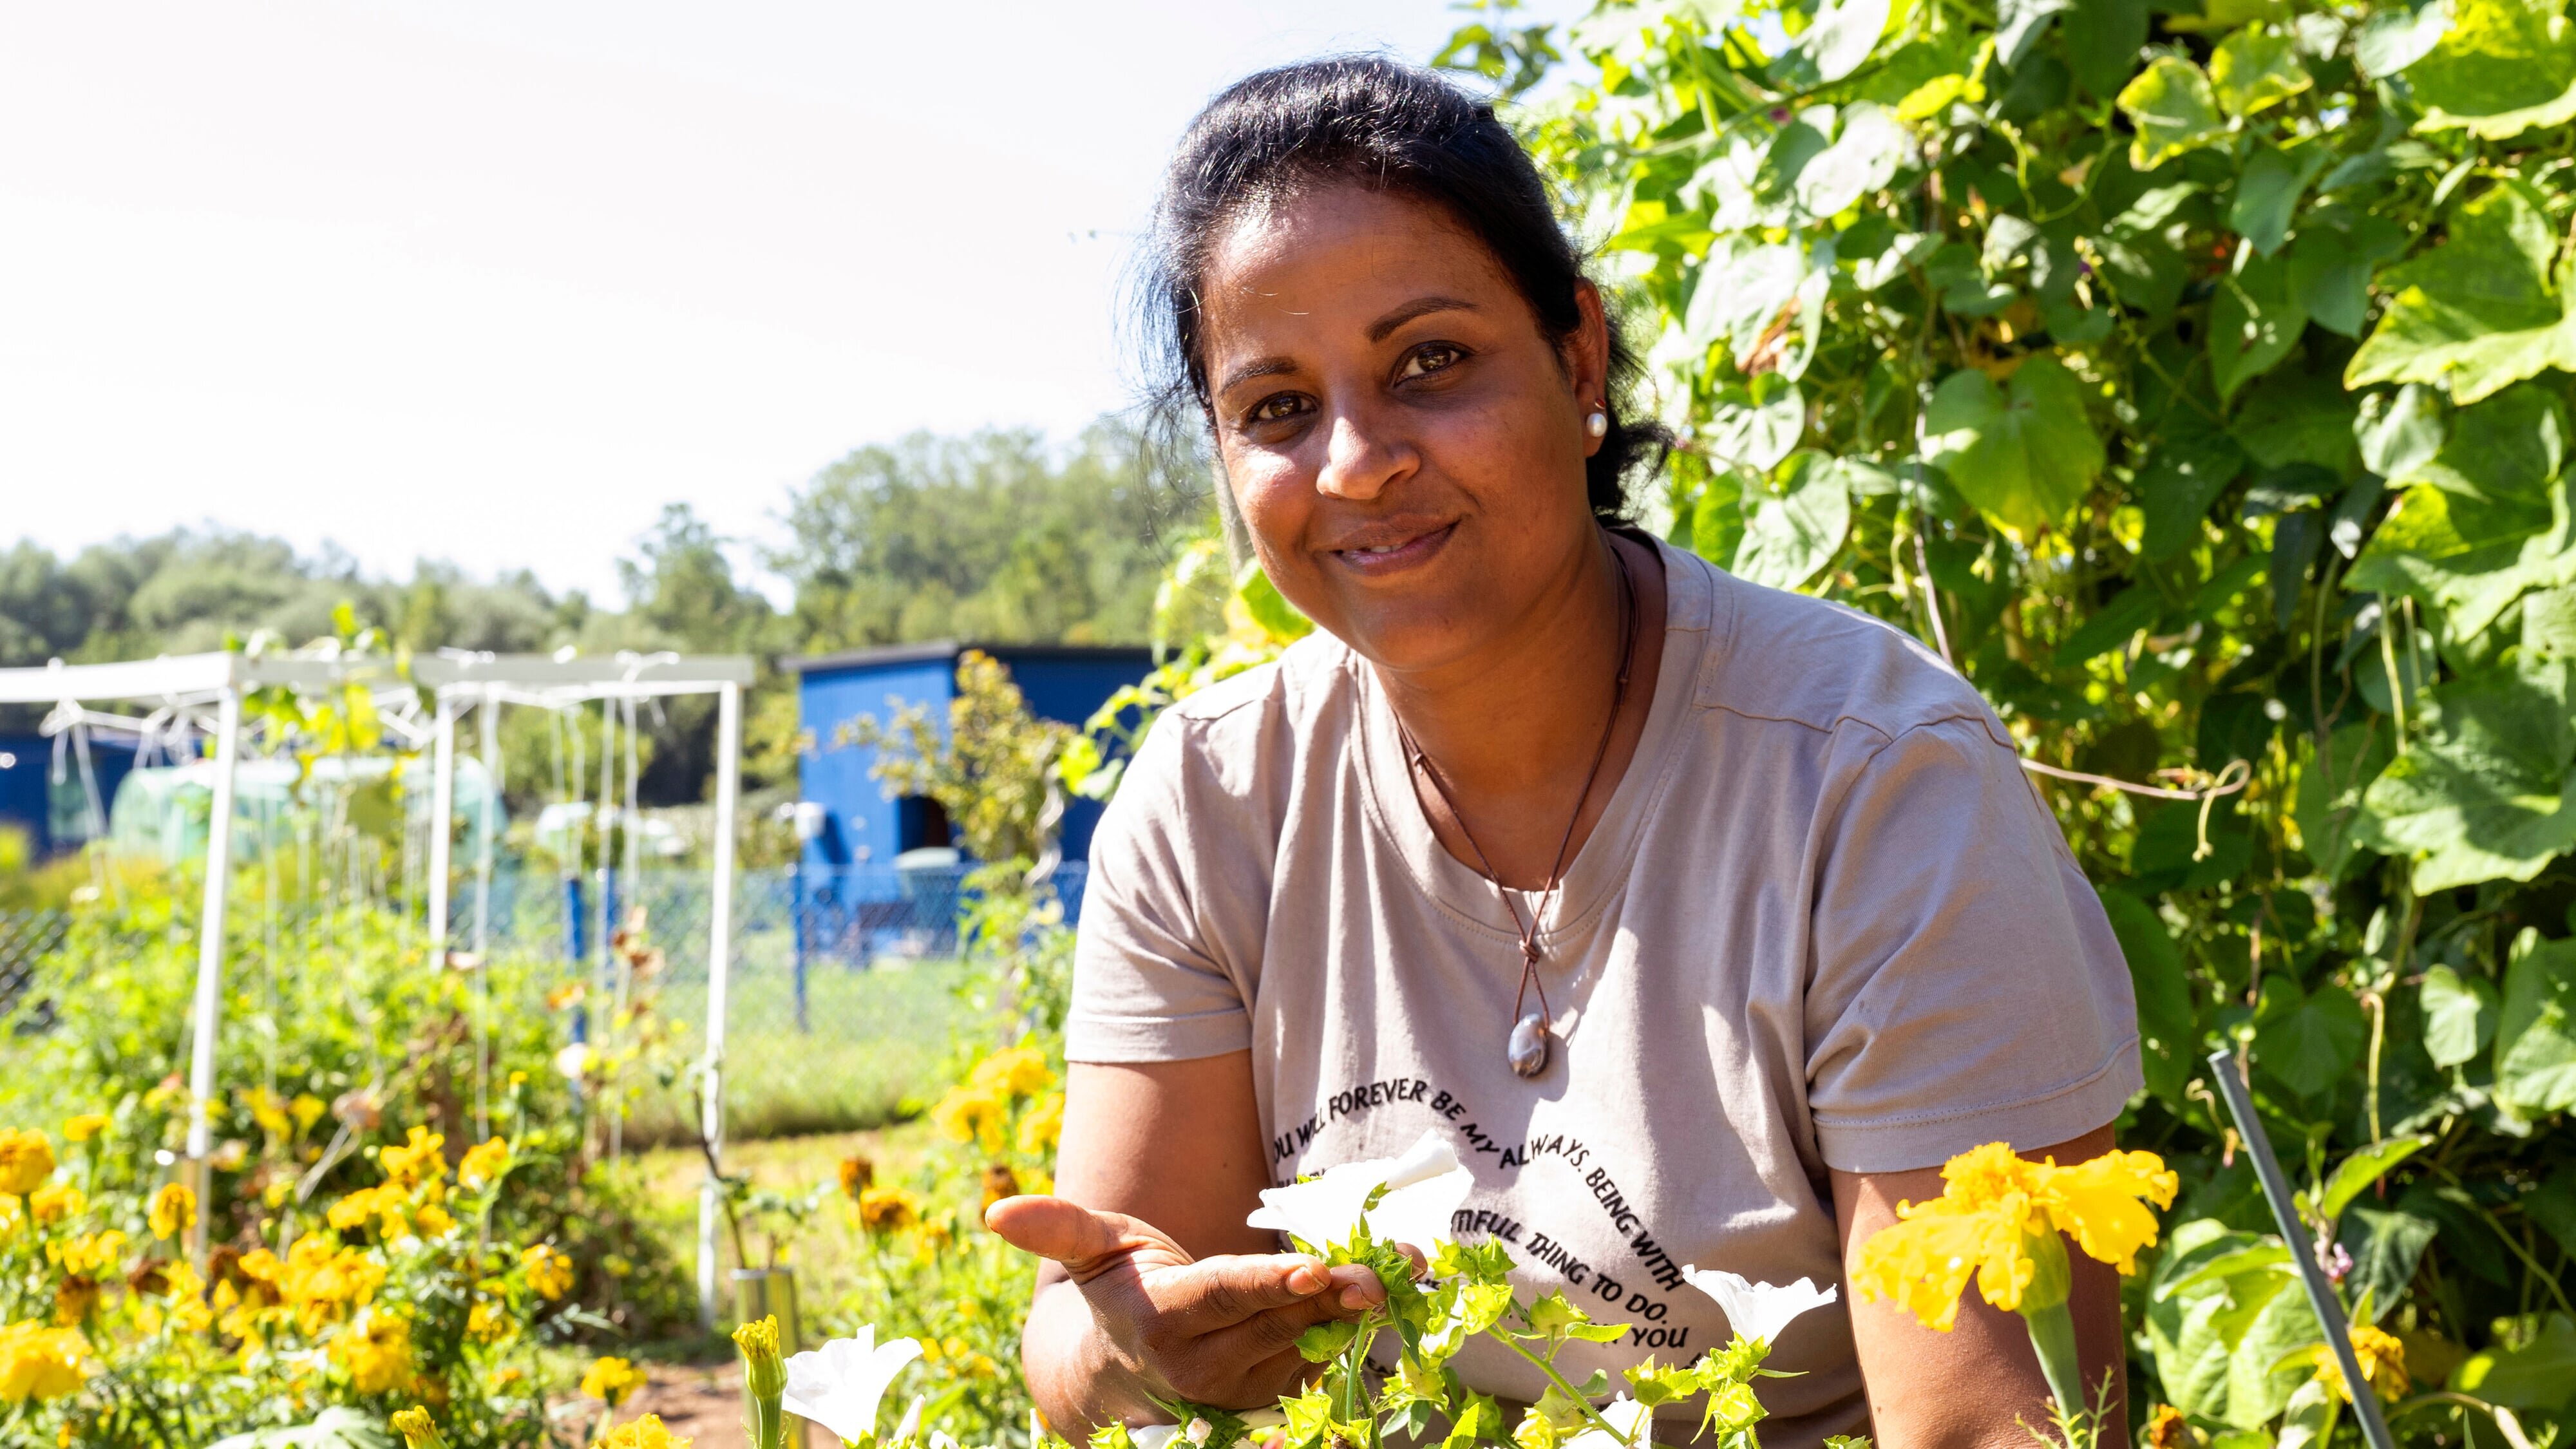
1514 726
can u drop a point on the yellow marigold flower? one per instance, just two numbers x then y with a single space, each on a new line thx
1017 1072
644 1433
12 1213
432 1220
74 1297
507 1376
94 1254
174 1210
487 1322
612 1381
886 1209
307 1109
857 1174
26 1160
37 1362
999 1184
321 1281
56 1201
269 1111
549 1272
376 1351
1991 1203
2383 1364
1044 1124
85 1126
973 1113
419 1431
484 1163
416 1160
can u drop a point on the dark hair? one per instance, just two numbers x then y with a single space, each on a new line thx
1382 124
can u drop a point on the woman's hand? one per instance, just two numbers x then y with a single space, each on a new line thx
1220 1330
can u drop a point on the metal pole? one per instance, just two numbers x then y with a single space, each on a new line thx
489 723
442 811
719 965
491 753
2321 1295
210 969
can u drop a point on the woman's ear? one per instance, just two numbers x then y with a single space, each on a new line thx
1588 350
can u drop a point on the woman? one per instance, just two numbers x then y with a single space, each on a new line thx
1704 921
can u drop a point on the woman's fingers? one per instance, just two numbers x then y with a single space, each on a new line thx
1217 1293
1087 1241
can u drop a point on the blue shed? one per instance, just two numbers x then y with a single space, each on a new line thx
52 813
857 825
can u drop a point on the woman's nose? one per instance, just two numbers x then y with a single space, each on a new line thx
1360 459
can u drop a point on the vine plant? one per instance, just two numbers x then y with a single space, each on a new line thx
2193 374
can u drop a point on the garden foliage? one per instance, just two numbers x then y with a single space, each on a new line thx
2194 374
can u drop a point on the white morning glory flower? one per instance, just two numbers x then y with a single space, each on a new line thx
1623 1414
1423 1188
1198 1431
840 1384
1758 1310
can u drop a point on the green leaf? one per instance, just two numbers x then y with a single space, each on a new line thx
2298 417
2025 454
2354 1175
2311 1047
2267 194
2399 432
2330 268
2111 626
2535 1041
2535 1376
2255 69
1796 532
2470 556
2552 1205
1835 43
1864 157
2331 781
2102 42
2459 1015
1319 1343
2484 794
2253 323
1756 425
2505 449
2479 312
2503 67
1717 517
2168 1033
2172 108
2396 38
1269 608
2185 471
2257 1386
2385 1248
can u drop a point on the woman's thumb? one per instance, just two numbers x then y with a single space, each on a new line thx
1085 1240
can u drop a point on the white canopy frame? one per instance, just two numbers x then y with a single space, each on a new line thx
461 681
184 687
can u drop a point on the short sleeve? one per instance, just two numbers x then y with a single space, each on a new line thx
1148 986
1965 987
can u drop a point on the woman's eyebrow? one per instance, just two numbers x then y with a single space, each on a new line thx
1258 367
1418 307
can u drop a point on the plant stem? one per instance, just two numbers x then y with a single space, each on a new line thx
1558 1379
2052 1334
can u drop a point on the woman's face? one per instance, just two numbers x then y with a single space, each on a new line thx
1407 447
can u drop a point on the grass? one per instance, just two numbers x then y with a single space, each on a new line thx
870 1049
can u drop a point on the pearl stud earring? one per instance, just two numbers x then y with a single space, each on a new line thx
1598 425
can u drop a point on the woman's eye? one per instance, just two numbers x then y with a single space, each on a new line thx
1429 358
1277 407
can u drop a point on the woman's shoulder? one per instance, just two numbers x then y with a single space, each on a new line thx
1240 735
1783 656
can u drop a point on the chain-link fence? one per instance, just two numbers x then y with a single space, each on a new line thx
25 938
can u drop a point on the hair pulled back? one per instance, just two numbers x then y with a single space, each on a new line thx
1387 125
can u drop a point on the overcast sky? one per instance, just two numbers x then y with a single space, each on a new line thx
493 280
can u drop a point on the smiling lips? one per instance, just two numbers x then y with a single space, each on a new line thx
1386 549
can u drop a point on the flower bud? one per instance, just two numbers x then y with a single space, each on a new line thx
417 1429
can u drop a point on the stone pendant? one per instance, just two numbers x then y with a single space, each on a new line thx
1529 1045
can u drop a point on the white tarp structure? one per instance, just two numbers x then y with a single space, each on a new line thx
463 681
201 693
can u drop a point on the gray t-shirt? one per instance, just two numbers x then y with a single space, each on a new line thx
1824 922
